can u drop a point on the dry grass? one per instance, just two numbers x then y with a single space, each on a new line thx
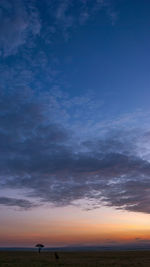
75 259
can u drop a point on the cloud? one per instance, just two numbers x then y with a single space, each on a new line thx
41 154
70 14
21 203
18 20
24 23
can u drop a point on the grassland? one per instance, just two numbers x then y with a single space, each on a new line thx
75 259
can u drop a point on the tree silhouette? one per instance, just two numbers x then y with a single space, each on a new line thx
39 246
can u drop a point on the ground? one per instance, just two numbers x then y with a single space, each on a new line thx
75 259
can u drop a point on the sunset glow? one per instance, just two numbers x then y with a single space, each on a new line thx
78 227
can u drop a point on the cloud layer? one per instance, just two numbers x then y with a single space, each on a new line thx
58 148
47 159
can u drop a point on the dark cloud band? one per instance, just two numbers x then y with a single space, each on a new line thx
22 203
47 160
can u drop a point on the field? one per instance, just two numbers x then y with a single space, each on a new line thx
75 259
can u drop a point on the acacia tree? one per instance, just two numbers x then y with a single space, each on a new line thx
39 246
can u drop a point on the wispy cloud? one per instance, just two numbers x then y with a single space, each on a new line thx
67 18
19 20
22 21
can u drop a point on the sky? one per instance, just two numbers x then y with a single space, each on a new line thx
74 122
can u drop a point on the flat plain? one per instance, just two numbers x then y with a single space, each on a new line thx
75 259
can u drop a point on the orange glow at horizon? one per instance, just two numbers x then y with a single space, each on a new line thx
72 226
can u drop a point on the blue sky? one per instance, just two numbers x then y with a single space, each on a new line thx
74 104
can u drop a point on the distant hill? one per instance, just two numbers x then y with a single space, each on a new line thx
124 247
